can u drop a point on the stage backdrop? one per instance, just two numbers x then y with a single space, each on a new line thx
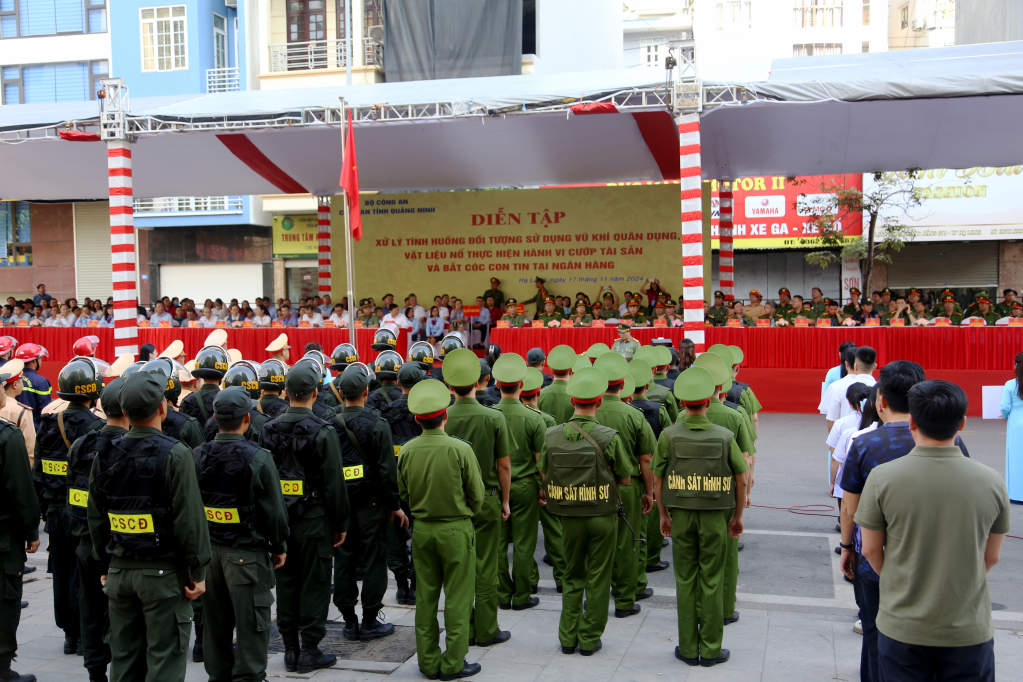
578 239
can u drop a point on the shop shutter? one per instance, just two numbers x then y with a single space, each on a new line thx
945 264
92 250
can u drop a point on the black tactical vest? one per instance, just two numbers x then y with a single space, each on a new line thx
174 423
273 408
7 502
322 410
578 483
736 390
192 407
355 431
668 383
651 412
53 450
385 395
130 474
293 446
79 465
404 426
485 399
256 420
699 475
225 481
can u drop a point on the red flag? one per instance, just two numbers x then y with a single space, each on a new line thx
350 182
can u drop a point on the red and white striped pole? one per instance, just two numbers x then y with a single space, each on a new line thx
122 248
726 262
692 228
323 237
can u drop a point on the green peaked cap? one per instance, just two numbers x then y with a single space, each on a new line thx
533 380
596 350
613 365
725 386
641 372
715 364
587 384
694 385
648 354
582 362
510 368
629 387
739 355
562 358
428 397
663 356
461 368
724 351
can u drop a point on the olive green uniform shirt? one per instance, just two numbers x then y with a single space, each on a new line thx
514 320
548 419
731 420
486 431
627 349
660 394
629 423
637 320
368 320
717 315
553 317
527 427
554 400
439 477
541 295
990 319
615 453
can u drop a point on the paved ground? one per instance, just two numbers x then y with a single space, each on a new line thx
797 612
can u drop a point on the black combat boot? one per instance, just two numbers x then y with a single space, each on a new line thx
290 652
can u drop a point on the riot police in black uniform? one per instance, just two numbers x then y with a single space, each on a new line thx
271 380
386 368
483 395
176 424
324 405
210 365
245 375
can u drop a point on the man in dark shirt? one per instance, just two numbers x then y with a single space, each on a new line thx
868 451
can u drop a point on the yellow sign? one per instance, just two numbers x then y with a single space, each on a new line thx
78 497
222 515
54 467
353 473
577 238
292 487
132 523
295 236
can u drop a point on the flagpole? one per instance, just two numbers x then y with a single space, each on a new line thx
349 269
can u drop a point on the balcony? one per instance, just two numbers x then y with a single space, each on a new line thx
223 80
324 54
185 206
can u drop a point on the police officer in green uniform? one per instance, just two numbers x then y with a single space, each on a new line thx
901 312
486 430
527 428
584 465
439 478
367 454
244 375
784 301
150 537
324 403
386 367
92 602
495 292
973 308
210 365
654 356
853 306
637 497
549 314
80 383
177 425
625 345
307 453
19 533
718 313
541 295
554 399
512 315
635 318
701 501
939 306
366 315
948 311
986 311
271 381
248 527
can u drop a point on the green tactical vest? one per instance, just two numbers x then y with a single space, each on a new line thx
578 483
698 476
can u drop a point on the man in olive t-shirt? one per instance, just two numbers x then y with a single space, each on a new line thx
933 523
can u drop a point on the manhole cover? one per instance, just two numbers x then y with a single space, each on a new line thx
396 648
997 607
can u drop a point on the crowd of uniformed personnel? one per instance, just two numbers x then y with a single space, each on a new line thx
275 476
883 308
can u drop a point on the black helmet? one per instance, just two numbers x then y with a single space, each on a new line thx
245 374
450 343
344 355
387 365
211 363
421 352
384 339
315 362
81 380
272 373
168 368
133 367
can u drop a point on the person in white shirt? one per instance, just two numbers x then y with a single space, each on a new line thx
220 310
311 315
340 316
262 317
65 318
855 395
326 306
442 309
418 311
160 315
20 316
864 364
208 319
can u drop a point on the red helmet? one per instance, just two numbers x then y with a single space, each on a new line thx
30 351
7 344
85 346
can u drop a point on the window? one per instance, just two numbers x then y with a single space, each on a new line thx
866 13
307 20
732 14
43 83
817 13
816 49
651 50
22 18
164 39
15 233
905 16
219 42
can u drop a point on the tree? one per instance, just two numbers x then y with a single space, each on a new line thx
879 208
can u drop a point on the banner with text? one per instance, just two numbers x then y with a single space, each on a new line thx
578 239
294 236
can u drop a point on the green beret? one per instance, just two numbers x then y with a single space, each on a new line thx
141 394
629 387
562 358
613 365
302 378
695 385
582 362
663 356
587 384
510 368
641 372
232 402
429 397
461 368
596 350
410 374
110 400
353 381
647 354
737 354
533 380
715 364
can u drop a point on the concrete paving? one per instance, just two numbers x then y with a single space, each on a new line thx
797 611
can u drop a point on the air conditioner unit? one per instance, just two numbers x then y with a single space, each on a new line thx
233 4
377 33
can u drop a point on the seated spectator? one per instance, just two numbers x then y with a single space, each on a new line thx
191 318
738 310
235 318
326 307
771 313
456 311
160 315
310 314
435 323
19 315
64 318
340 316
415 325
581 318
209 319
458 327
285 315
866 312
